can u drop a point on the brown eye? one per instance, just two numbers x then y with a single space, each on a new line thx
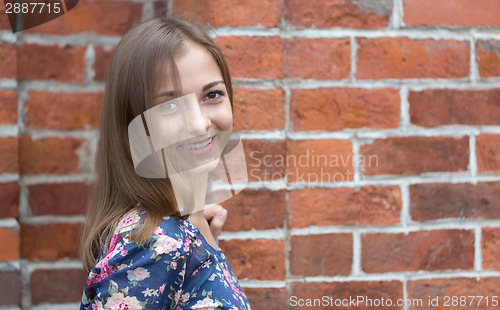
213 95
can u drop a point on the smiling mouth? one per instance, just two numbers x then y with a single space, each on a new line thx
197 146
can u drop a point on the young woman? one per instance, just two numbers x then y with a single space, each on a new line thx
144 244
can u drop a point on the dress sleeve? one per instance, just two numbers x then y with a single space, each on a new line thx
135 276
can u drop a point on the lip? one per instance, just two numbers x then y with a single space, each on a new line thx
201 151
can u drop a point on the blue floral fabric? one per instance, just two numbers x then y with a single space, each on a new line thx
176 269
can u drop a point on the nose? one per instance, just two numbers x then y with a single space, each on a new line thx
196 120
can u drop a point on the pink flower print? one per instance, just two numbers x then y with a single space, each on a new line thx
106 270
206 264
206 304
185 297
158 231
162 288
147 292
197 242
132 218
97 305
183 271
120 267
124 252
119 302
187 243
177 296
113 243
173 265
228 276
137 274
165 244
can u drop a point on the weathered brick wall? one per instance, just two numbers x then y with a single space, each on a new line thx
403 94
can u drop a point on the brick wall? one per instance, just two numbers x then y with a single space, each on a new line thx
398 101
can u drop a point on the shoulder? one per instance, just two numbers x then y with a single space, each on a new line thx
170 240
172 234
141 269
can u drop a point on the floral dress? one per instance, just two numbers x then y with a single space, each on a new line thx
176 269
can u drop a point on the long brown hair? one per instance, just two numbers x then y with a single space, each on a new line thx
136 69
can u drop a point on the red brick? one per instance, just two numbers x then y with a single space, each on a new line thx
267 298
252 57
160 8
8 107
323 59
422 250
242 13
258 109
402 58
488 58
369 205
256 259
438 107
451 13
338 13
43 62
490 245
485 287
488 153
303 294
321 255
9 199
8 61
10 288
9 239
255 209
9 155
436 201
66 286
103 56
99 17
51 110
50 241
415 155
319 161
58 198
4 19
342 108
265 160
49 155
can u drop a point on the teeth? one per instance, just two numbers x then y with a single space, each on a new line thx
197 145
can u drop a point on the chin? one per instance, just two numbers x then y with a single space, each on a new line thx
206 167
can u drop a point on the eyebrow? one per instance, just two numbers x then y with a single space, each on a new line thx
210 85
168 93
173 93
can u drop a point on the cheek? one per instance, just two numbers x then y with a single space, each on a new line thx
223 117
168 131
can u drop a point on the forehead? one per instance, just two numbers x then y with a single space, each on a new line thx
196 67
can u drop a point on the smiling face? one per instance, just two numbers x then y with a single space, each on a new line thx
193 124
